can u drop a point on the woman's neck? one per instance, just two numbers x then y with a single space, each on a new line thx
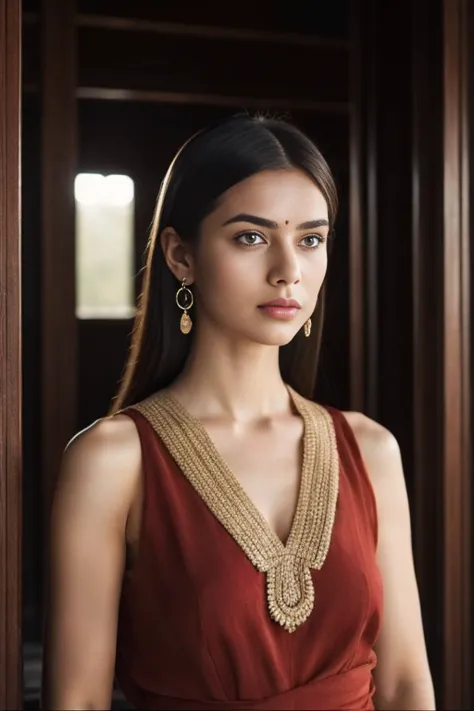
239 382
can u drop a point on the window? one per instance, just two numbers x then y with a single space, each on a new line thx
104 246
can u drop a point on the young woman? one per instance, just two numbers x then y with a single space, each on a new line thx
221 541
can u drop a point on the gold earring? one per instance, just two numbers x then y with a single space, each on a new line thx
307 328
187 298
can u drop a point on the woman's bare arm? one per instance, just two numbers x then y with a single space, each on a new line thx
98 477
402 676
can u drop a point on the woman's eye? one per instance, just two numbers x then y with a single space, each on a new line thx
249 239
314 241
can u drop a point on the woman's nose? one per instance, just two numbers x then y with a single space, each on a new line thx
285 268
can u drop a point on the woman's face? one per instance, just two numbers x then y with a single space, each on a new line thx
266 240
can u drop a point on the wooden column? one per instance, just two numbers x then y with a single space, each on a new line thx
10 356
458 121
59 332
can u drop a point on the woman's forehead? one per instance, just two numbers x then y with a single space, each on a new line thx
284 196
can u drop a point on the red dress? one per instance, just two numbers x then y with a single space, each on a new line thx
194 631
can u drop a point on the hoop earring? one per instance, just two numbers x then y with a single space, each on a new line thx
307 328
187 298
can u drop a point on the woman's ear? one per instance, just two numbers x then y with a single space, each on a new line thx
177 255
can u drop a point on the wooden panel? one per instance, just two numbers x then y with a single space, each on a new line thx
457 322
59 337
321 18
10 356
210 66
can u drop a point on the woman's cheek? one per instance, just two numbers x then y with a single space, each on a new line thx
227 269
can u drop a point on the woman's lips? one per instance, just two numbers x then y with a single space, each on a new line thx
280 312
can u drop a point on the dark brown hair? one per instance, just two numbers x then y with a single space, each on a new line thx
210 163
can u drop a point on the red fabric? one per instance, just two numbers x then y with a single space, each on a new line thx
194 631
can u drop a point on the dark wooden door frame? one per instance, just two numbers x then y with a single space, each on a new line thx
10 357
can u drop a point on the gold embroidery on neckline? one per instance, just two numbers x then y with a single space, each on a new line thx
290 590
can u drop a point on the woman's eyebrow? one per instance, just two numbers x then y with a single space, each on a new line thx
271 224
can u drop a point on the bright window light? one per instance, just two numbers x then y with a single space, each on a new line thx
104 246
96 189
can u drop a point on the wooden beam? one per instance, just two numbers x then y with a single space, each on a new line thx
59 332
10 357
190 98
181 29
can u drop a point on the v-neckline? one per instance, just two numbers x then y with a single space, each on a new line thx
290 591
305 467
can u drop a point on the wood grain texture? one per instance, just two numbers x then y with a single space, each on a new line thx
10 356
457 336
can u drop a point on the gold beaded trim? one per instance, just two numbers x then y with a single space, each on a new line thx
290 589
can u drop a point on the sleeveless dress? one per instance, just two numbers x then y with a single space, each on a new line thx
194 626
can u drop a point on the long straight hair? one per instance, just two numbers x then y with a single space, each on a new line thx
208 164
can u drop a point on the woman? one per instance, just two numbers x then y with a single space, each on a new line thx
221 541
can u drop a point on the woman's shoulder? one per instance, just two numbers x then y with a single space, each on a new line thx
380 453
107 439
103 461
374 439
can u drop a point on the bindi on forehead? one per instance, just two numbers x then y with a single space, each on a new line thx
286 222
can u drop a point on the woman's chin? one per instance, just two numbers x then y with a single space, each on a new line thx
273 334
276 337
